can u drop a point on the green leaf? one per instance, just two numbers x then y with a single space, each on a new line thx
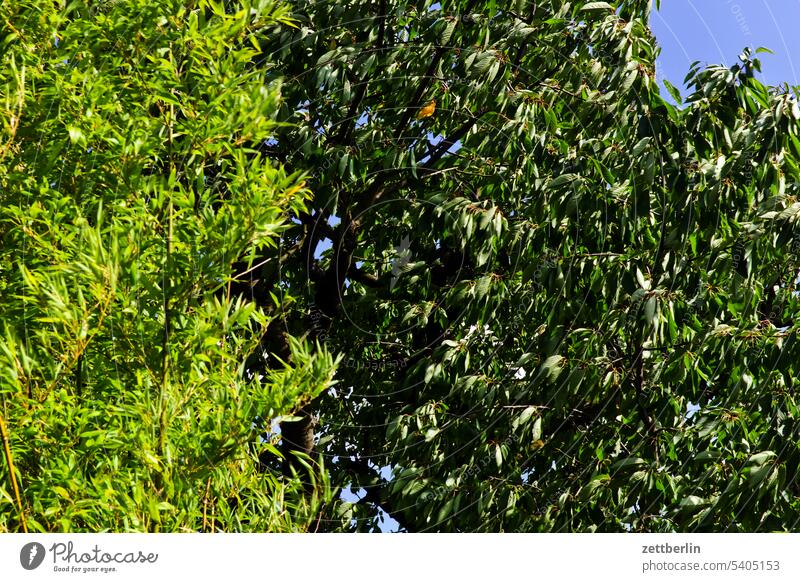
597 6
673 91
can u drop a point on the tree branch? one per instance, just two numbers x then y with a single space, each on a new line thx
450 141
638 382
364 278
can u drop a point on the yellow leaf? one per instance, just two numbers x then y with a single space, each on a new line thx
61 492
428 110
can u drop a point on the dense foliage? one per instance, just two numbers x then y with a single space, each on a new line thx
564 302
561 302
131 192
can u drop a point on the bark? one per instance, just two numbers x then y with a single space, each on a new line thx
297 437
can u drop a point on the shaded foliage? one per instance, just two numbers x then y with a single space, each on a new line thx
564 303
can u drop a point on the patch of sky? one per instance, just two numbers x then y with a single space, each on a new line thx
322 246
326 243
362 120
385 522
716 31
526 475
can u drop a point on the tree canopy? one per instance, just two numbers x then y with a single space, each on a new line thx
564 301
467 254
130 190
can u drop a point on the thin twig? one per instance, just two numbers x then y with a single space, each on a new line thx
11 472
205 505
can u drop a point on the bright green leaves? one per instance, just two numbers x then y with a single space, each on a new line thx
135 201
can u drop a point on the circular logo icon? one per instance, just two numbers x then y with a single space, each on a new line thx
31 555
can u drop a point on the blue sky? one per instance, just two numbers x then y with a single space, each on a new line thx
715 31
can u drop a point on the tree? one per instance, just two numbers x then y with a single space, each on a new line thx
134 391
560 301
564 303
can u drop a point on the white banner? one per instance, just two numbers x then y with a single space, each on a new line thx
385 558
